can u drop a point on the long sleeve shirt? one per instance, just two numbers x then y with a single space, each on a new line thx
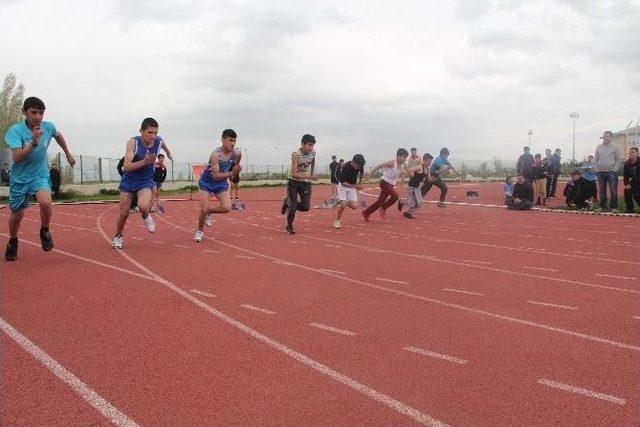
608 158
523 191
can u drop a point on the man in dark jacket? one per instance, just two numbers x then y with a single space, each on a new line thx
631 179
525 162
54 175
555 173
522 195
581 193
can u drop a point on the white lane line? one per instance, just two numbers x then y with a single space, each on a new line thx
399 282
396 405
636 317
277 261
137 238
211 251
182 246
159 242
582 391
437 355
245 257
331 329
102 405
203 293
552 305
266 238
611 276
461 291
332 246
326 270
260 309
297 241
265 217
477 262
541 268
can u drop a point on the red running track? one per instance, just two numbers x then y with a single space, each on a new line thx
463 316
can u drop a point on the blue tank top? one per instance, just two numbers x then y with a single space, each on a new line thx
145 173
224 165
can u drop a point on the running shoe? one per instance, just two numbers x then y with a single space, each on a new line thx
408 215
46 240
283 209
289 230
117 241
149 224
208 221
12 250
441 204
199 236
337 224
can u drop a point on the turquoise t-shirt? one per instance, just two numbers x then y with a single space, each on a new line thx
36 164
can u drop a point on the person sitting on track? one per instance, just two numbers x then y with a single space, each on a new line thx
522 195
581 193
439 165
224 162
350 184
391 171
138 167
28 141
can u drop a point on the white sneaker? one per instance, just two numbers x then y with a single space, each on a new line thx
208 221
337 224
117 242
199 236
149 224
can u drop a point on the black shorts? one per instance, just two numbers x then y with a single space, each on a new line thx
235 179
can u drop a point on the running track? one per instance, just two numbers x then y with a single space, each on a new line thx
463 316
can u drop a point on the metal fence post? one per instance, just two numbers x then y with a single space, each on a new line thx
81 174
100 169
172 178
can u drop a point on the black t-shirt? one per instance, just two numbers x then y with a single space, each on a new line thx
417 178
349 174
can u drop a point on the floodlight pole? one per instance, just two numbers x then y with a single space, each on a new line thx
574 116
530 133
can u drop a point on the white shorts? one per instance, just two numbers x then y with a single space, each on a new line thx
349 194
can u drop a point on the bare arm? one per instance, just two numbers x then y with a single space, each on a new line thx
19 154
166 150
63 144
129 164
380 166
215 169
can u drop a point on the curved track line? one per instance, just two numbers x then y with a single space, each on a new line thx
423 298
389 401
98 402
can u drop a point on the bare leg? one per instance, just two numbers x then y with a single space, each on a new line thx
14 223
125 204
340 211
144 201
46 208
225 203
204 209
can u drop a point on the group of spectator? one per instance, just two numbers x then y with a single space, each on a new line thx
537 179
334 171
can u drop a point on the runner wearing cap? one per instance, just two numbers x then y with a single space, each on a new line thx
439 165
350 180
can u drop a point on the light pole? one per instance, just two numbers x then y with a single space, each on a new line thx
574 116
530 133
246 158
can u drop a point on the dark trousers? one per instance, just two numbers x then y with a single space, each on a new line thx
437 183
552 183
608 180
630 195
388 196
297 189
522 206
56 190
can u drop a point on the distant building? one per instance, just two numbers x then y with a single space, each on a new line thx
627 138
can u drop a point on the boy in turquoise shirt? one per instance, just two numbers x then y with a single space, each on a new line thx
28 141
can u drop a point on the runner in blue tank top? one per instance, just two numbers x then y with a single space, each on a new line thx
224 163
138 176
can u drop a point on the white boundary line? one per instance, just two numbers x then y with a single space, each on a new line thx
359 387
98 402
182 246
461 291
546 304
611 276
426 299
326 270
541 268
331 329
437 355
260 309
399 282
245 257
582 391
203 293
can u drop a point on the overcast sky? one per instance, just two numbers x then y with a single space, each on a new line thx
362 76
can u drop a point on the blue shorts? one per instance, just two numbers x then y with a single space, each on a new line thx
214 187
130 186
19 192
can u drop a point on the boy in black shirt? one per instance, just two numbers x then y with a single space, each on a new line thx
581 191
350 179
418 172
631 179
522 195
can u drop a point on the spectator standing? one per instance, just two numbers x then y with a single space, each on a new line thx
333 166
550 165
54 175
589 173
555 173
631 179
522 195
539 173
6 175
159 176
608 160
525 162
